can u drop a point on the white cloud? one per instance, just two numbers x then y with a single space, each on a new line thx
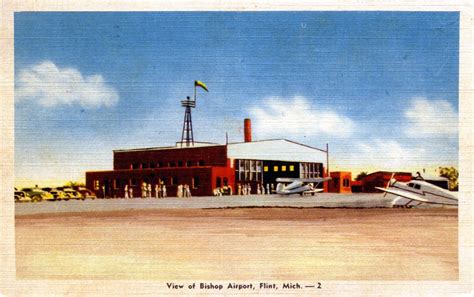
385 154
297 118
50 85
431 118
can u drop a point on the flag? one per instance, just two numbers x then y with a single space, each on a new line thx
198 83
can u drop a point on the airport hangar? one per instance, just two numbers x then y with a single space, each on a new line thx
206 166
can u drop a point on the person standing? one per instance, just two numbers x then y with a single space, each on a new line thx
259 190
163 189
130 192
157 191
125 191
268 189
143 188
239 189
188 191
149 191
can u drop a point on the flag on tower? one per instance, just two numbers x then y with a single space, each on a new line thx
198 83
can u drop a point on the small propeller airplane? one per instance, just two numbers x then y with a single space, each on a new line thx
416 192
302 186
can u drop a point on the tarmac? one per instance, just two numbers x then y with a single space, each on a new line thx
321 200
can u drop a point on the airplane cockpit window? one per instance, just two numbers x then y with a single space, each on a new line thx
417 187
411 185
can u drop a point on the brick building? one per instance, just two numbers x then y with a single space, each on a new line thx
206 166
381 179
341 182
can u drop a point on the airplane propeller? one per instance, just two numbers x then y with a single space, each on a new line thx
389 183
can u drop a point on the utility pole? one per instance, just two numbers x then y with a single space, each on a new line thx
327 159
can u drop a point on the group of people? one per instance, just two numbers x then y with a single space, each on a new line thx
183 191
225 190
146 191
246 189
159 190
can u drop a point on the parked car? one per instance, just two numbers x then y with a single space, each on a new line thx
86 193
21 196
71 193
36 194
57 194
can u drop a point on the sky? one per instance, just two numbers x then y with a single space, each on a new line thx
381 88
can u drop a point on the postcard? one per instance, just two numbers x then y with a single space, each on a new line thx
270 150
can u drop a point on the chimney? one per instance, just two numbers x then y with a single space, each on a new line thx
247 130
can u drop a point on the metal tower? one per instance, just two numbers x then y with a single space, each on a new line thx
187 135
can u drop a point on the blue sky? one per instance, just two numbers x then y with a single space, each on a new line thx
380 87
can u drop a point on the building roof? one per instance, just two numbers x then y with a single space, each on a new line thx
276 150
269 150
177 146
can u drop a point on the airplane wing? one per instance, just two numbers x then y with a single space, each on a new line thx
304 180
403 194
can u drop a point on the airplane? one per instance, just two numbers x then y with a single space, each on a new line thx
416 192
302 186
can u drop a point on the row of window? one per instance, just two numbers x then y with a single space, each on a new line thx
283 168
166 164
345 182
222 182
310 170
249 170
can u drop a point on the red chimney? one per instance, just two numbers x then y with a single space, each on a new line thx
247 130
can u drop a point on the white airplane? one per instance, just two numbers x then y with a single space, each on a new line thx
302 186
416 192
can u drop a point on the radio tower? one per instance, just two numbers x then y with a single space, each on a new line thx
187 135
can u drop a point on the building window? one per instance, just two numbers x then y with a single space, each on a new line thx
175 180
96 185
275 168
218 182
189 163
152 165
258 174
310 170
265 168
195 182
345 183
171 164
226 182
283 168
135 166
133 182
292 167
201 163
180 163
